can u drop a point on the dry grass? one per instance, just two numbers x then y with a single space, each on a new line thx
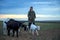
49 31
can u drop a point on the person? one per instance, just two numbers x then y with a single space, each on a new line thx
31 16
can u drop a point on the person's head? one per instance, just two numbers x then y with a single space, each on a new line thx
31 8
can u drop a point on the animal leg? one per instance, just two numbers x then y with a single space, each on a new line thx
8 32
13 33
37 33
32 32
17 33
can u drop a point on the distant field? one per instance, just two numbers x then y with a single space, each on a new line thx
46 26
49 31
43 25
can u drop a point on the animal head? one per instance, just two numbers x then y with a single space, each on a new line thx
5 22
24 26
38 27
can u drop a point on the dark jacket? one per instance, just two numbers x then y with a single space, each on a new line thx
31 16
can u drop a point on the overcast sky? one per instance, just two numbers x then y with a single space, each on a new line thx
42 7
22 6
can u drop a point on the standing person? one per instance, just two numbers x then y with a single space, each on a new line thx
31 16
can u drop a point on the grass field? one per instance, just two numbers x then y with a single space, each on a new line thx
49 31
46 26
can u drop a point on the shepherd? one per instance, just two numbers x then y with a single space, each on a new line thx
31 21
31 17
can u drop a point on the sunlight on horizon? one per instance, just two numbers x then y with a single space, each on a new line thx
25 16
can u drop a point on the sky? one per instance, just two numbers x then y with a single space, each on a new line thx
42 8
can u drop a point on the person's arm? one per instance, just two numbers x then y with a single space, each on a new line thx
28 14
34 15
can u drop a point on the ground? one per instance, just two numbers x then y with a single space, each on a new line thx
49 31
43 35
